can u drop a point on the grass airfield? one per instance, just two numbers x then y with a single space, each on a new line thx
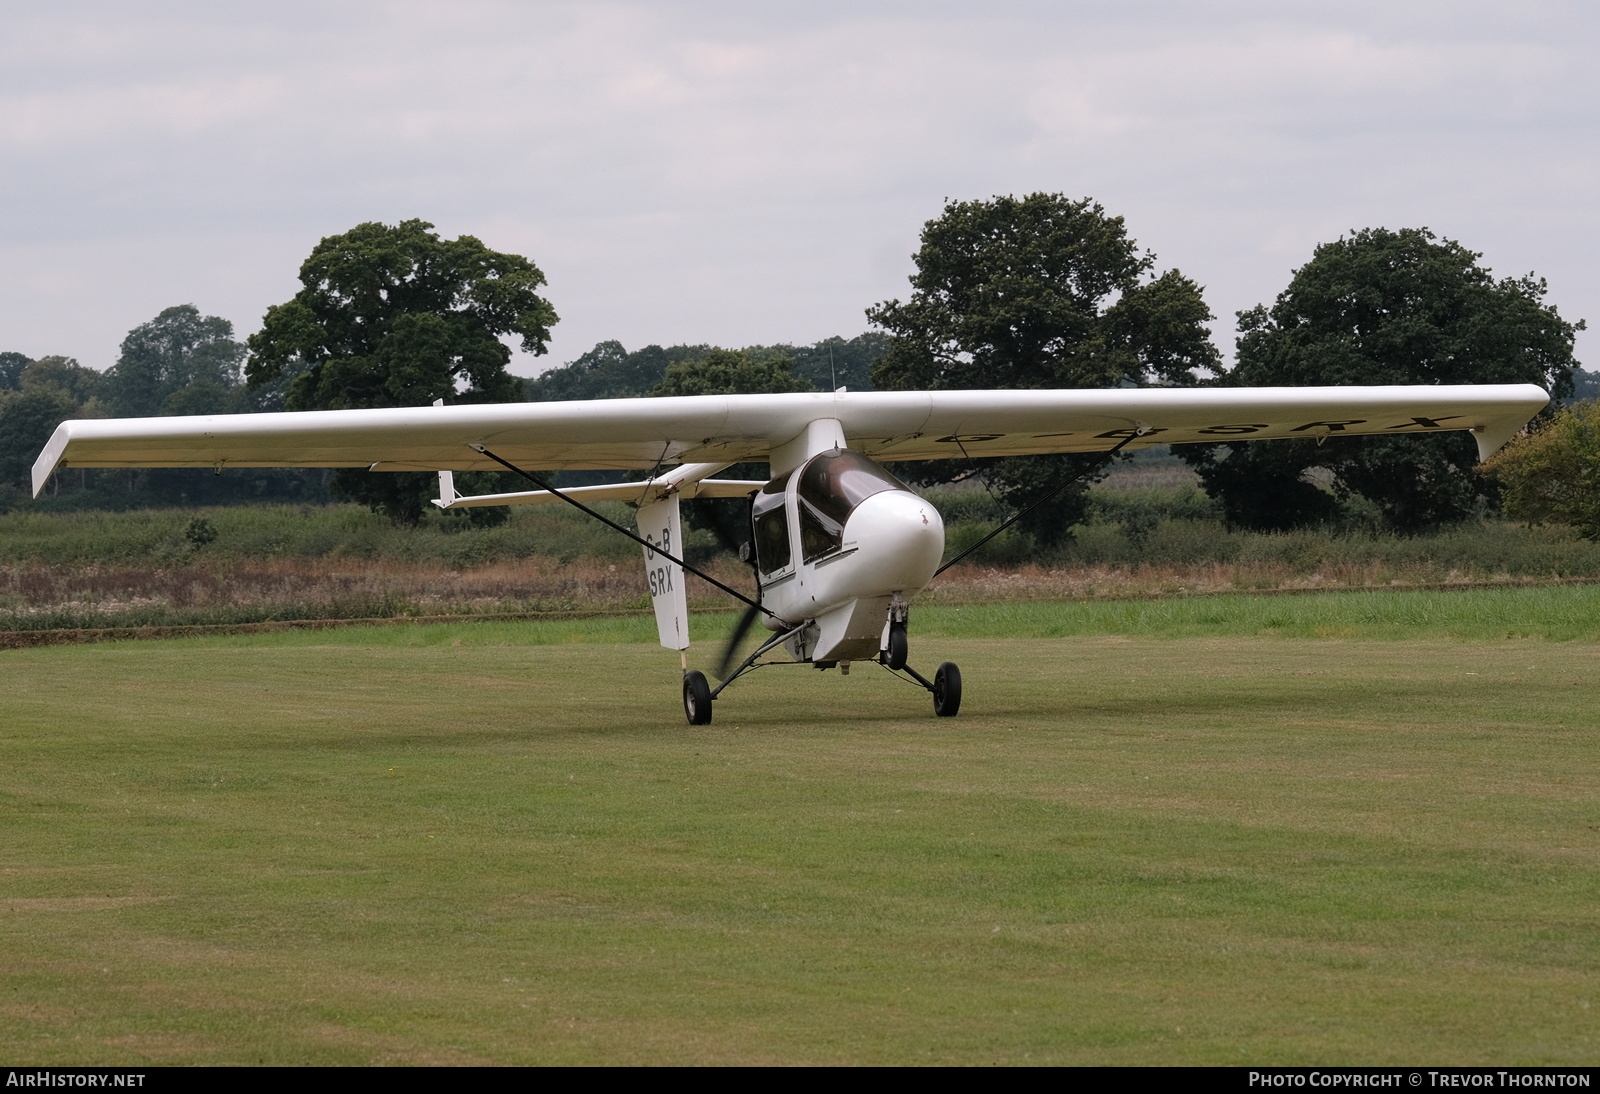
1314 835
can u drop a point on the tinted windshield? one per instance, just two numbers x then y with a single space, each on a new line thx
831 486
835 482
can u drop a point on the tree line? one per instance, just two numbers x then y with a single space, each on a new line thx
180 362
1045 291
1041 291
390 316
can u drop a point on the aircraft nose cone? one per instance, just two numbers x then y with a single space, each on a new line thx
900 539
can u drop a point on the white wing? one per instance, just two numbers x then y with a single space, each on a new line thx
724 429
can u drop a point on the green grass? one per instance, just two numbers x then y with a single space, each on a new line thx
268 532
499 843
1556 613
1552 613
1175 527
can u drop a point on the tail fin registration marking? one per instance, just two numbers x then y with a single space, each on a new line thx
661 527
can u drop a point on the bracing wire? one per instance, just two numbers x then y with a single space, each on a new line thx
641 541
1050 496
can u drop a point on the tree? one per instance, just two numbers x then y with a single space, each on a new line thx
180 362
54 388
48 392
75 382
1585 384
396 316
11 366
27 418
1553 474
609 371
730 372
1383 307
1039 292
833 362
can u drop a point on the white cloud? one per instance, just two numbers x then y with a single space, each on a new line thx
739 173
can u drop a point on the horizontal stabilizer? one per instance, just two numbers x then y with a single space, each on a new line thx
640 493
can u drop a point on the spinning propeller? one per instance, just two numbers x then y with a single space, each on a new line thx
731 651
715 517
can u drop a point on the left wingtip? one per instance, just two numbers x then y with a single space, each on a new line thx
50 458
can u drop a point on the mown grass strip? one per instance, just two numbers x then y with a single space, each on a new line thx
1125 850
1567 613
1553 613
17 640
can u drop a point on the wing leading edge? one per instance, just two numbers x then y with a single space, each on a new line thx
617 434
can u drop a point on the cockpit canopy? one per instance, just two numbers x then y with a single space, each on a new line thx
831 485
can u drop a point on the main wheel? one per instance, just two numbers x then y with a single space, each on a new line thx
895 656
947 690
697 698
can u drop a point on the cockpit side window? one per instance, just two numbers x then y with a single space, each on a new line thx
831 485
771 524
819 534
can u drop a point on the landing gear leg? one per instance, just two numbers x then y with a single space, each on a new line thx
945 687
697 698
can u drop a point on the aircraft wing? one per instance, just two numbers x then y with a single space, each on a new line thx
722 429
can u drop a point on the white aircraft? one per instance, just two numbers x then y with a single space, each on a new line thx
842 547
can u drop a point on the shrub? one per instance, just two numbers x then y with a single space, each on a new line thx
1554 474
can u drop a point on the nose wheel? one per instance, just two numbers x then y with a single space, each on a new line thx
946 683
895 655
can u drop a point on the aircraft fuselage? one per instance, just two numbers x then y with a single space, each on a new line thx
841 544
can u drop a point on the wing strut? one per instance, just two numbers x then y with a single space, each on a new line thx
1091 469
542 485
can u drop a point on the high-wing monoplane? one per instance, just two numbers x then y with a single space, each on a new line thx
841 546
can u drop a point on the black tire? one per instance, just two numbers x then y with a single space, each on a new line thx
697 698
947 690
895 655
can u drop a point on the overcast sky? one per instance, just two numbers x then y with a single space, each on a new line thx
738 173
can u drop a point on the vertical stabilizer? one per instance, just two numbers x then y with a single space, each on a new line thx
660 525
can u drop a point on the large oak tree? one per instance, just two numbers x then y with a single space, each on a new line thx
1038 292
180 362
396 316
1383 307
